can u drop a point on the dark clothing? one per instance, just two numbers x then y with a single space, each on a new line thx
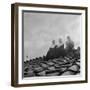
60 51
51 54
55 52
69 46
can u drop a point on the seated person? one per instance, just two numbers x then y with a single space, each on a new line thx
60 49
51 54
69 45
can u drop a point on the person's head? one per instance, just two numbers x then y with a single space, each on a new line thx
60 40
68 38
53 42
78 48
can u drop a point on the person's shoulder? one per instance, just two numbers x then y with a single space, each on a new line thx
56 46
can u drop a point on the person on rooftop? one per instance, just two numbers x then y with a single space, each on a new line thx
51 54
69 44
60 49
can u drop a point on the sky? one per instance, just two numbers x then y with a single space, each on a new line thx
41 28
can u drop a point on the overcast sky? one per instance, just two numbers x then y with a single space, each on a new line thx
41 28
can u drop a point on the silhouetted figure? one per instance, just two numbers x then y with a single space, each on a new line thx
60 52
51 54
69 45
